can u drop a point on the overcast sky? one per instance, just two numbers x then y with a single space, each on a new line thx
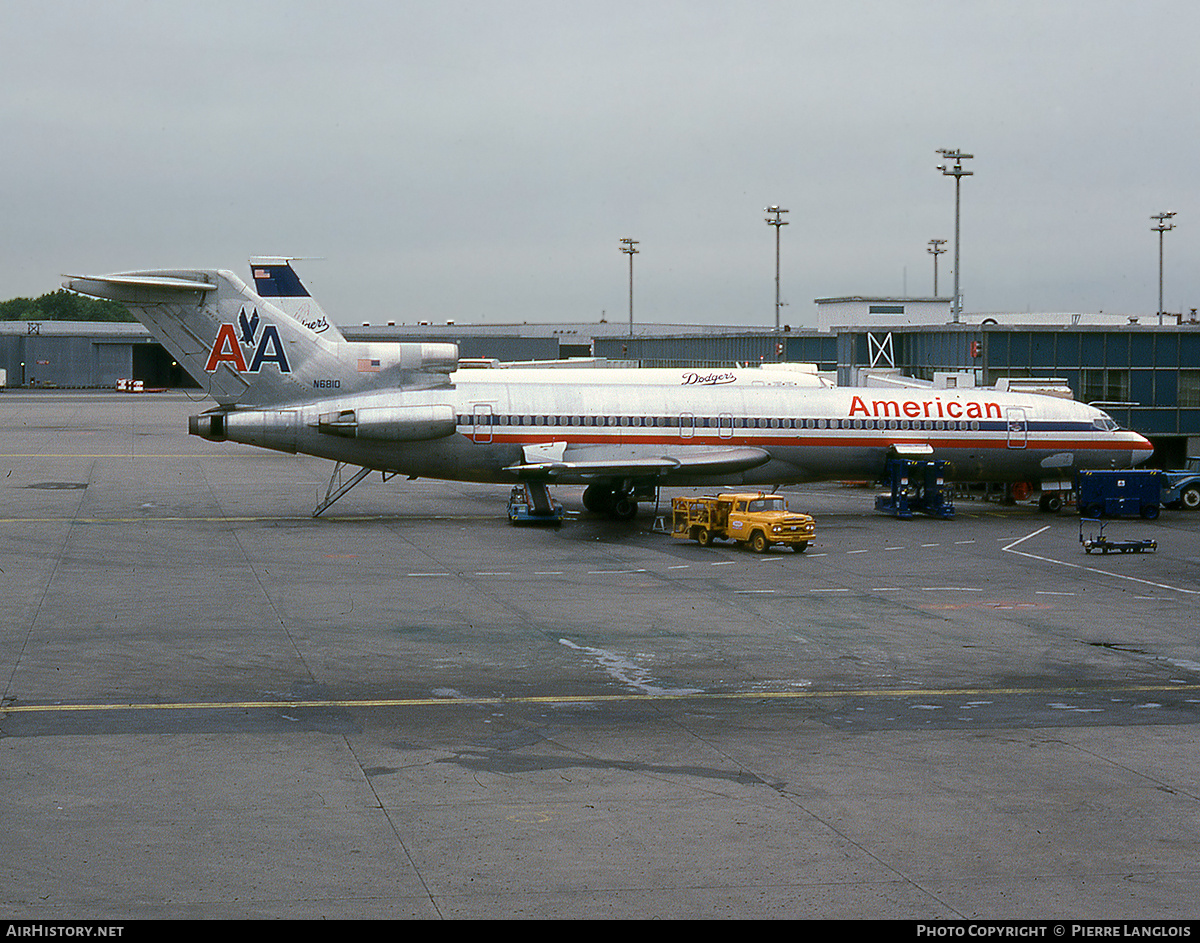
480 161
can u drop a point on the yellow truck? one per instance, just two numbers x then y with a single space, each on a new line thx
755 519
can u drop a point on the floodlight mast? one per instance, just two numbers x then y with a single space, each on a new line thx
935 249
777 222
1162 227
957 173
628 247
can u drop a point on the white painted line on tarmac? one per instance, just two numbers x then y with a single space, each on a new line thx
1092 569
1026 537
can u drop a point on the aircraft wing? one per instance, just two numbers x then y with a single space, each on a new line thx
612 461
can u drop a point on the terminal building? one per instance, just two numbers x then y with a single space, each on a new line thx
1145 375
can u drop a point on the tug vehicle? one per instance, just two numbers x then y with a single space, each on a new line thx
1182 487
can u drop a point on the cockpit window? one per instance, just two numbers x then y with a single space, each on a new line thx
1105 423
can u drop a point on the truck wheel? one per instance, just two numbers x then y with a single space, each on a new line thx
1095 510
1150 512
799 548
704 537
758 542
1189 498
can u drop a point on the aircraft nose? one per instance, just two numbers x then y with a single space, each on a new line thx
1142 449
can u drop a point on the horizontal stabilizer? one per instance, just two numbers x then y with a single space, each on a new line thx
140 287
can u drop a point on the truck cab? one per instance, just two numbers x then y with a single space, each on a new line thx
1182 486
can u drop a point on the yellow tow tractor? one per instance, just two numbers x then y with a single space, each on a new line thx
755 519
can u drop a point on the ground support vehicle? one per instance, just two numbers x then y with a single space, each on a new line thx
916 485
1122 493
530 503
1098 543
1182 487
755 519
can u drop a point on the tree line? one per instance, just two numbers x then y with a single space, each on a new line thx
63 305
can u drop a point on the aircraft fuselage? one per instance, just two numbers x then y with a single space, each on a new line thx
808 434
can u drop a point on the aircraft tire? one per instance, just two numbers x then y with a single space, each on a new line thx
598 499
1050 503
624 508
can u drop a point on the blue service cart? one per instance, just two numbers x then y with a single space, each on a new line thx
1133 492
530 503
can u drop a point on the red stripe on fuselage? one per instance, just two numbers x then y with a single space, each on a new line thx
981 441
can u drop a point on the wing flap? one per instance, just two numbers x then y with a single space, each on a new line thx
642 461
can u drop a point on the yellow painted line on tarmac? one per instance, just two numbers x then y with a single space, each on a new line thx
591 699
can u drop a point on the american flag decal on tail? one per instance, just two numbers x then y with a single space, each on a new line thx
368 366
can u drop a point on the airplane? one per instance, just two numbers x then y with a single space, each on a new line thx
401 408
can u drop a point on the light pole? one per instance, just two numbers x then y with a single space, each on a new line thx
628 247
1162 227
935 249
777 222
957 173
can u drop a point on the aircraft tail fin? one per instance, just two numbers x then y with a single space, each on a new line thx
246 351
277 282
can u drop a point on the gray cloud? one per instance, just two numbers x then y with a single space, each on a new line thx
481 160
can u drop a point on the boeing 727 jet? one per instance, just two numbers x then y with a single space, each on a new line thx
400 408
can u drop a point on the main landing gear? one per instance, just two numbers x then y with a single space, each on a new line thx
618 503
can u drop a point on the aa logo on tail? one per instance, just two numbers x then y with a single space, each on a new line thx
267 349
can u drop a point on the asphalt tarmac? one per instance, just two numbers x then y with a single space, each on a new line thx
216 706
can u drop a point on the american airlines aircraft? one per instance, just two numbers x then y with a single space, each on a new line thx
401 408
